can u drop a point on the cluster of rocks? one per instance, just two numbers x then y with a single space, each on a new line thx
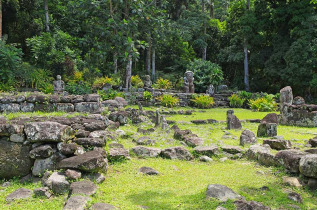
47 103
187 137
294 111
39 144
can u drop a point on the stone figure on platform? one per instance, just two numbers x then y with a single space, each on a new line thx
189 82
210 90
59 85
147 82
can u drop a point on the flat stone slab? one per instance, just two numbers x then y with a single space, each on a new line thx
19 194
221 193
207 150
148 171
232 149
91 161
85 187
278 144
141 151
76 203
177 153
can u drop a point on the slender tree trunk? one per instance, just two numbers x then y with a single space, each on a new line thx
246 68
148 56
0 19
153 64
115 62
204 49
128 72
246 62
46 16
211 11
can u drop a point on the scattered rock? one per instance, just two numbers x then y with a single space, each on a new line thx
177 153
270 118
312 184
232 149
205 159
73 174
47 164
91 161
19 194
232 121
278 144
141 151
292 181
247 137
42 192
252 205
221 192
313 142
91 142
298 100
67 149
207 150
76 203
290 159
308 165
118 154
85 187
148 171
145 140
253 152
267 130
96 177
295 197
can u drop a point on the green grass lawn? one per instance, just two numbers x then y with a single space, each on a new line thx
182 184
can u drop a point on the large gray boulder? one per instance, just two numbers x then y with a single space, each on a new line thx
278 144
290 159
118 153
247 137
41 152
177 153
91 161
48 132
14 159
253 152
85 187
308 165
267 130
221 193
47 164
146 151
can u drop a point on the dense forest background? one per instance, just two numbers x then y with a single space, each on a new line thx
275 40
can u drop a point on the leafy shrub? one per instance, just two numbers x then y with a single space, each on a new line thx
147 96
100 82
265 104
78 88
168 100
236 101
203 101
245 95
136 82
10 61
163 84
109 94
48 89
206 73
7 86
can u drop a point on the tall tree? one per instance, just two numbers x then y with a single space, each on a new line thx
46 16
246 62
0 19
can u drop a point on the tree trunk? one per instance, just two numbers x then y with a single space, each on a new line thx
204 49
115 62
148 56
211 11
246 68
128 72
248 4
153 64
46 16
0 19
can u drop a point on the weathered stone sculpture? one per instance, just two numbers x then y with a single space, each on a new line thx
210 90
147 82
164 123
58 85
189 82
286 95
157 118
232 121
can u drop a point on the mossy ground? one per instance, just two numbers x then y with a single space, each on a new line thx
182 184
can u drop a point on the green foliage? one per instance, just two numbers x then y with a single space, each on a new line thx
205 73
147 96
236 101
136 81
168 100
100 82
245 95
109 94
10 61
203 101
265 104
163 84
78 88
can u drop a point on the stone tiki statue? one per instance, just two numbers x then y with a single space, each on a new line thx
189 82
210 90
147 82
58 85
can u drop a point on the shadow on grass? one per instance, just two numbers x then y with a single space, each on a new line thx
166 200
